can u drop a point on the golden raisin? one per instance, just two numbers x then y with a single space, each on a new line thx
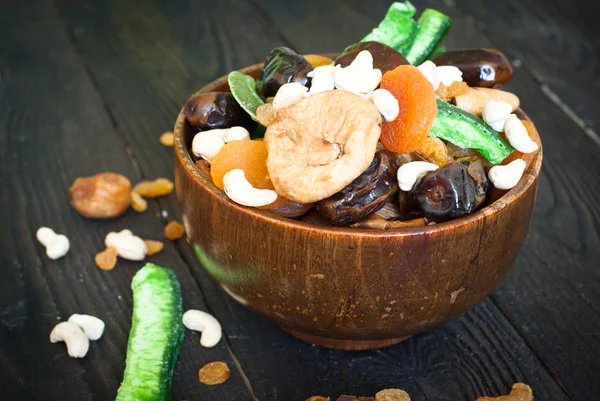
392 394
138 203
213 373
448 93
519 392
317 398
102 196
152 189
107 259
167 139
153 246
174 230
434 150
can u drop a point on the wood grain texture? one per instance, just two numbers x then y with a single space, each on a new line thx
54 129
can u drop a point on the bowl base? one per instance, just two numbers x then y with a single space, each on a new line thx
346 345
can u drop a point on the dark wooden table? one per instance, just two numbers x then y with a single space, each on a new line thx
88 86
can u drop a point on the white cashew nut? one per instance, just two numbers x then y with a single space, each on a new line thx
446 74
289 94
206 144
239 190
322 79
386 103
409 173
76 340
517 135
206 324
128 246
507 176
428 68
91 325
57 245
496 113
359 77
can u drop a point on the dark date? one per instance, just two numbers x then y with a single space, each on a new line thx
210 110
488 68
282 66
384 57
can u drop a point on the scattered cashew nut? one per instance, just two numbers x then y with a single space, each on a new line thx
239 190
495 113
91 325
360 76
206 144
386 103
289 94
517 135
206 324
128 246
57 245
409 173
73 336
507 176
445 74
322 79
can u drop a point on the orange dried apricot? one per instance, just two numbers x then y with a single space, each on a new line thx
317 60
418 109
434 150
250 156
174 230
213 373
527 157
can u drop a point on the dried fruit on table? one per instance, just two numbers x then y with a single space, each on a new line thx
317 398
475 99
392 394
214 373
153 247
107 259
480 67
317 60
447 93
434 150
153 189
249 156
138 203
282 66
265 114
418 109
102 196
167 139
174 230
527 157
212 110
321 144
385 58
519 392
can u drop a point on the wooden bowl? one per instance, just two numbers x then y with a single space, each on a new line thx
349 288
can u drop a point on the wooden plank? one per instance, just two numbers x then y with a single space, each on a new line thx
53 128
162 65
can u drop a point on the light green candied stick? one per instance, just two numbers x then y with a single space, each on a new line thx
243 89
155 337
397 29
433 28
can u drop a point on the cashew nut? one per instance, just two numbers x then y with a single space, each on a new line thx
495 113
322 79
91 325
507 176
57 245
128 246
289 94
410 173
446 74
517 135
239 190
386 103
206 324
359 76
206 144
428 69
76 340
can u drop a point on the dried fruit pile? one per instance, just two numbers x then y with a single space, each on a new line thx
395 132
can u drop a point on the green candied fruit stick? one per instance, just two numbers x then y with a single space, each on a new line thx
397 29
439 51
469 132
433 28
155 337
243 89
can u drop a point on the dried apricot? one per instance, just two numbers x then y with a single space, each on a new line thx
102 196
107 259
174 230
434 150
528 157
392 394
138 203
213 373
418 109
153 247
317 60
167 139
250 156
153 189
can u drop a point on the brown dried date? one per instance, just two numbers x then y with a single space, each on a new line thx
384 57
282 66
480 67
365 195
210 110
